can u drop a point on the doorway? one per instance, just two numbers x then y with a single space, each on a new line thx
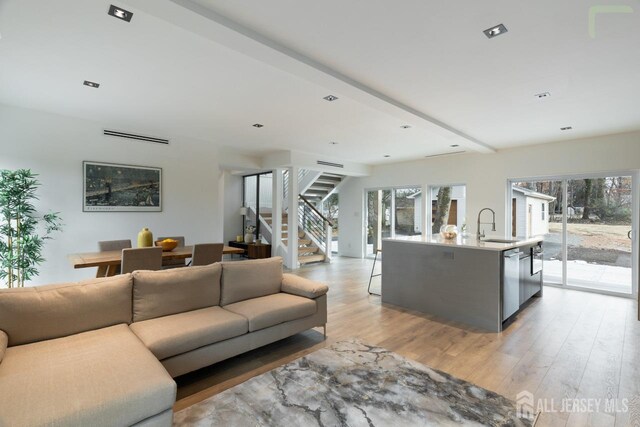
391 213
588 223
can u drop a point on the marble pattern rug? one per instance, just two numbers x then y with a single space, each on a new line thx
353 384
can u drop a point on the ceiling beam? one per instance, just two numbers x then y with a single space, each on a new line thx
206 23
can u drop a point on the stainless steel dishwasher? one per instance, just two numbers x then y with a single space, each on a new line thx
510 283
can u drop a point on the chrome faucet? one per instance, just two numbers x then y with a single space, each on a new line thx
480 234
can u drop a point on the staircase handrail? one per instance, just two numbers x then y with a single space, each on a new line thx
313 208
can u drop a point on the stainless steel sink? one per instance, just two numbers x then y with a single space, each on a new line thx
499 241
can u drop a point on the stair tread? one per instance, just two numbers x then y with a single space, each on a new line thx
308 250
300 241
305 259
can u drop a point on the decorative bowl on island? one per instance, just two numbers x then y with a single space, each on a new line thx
167 244
449 232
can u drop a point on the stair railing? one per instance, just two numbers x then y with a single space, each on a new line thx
317 227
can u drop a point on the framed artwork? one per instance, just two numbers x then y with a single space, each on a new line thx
110 187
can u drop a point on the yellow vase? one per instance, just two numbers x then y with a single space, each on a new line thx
145 238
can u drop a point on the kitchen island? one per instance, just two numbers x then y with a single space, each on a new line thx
465 280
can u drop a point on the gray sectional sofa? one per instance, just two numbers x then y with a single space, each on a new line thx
104 352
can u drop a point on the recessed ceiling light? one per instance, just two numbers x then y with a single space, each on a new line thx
91 84
542 95
330 98
495 31
258 125
387 155
120 13
405 126
454 145
566 128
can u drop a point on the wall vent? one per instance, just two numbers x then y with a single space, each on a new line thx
445 154
333 165
118 134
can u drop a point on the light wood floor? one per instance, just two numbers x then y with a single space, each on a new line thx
568 344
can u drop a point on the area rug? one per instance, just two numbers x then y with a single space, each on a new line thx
353 384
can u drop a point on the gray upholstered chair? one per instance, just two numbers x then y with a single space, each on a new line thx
173 263
207 253
113 245
141 259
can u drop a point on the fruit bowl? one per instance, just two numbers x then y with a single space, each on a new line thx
167 244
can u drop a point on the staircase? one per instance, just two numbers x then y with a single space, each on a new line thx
308 251
322 187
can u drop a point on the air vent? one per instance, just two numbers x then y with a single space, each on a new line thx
333 165
117 134
445 154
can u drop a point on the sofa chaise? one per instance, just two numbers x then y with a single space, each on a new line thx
104 352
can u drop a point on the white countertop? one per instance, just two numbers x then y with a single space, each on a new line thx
467 242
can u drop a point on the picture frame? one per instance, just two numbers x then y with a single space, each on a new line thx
111 187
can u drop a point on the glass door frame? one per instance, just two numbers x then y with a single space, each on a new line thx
244 202
635 222
392 215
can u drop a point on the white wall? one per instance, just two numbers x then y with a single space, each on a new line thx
55 146
485 176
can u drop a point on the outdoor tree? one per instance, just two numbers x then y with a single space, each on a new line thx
331 208
586 208
442 208
22 232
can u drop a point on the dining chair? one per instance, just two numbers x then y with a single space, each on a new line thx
174 263
141 259
113 245
207 253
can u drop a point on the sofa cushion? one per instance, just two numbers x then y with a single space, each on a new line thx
45 312
300 286
4 341
172 335
250 279
99 378
273 309
166 292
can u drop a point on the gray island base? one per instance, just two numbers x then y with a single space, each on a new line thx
460 280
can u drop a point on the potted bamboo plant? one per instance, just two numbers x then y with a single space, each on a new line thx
23 232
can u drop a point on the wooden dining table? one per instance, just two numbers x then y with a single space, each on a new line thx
103 260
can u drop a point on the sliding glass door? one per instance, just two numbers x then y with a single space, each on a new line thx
537 210
392 212
599 237
588 226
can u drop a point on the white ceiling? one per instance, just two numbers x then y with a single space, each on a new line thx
432 55
173 72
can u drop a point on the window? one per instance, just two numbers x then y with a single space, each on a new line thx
542 210
448 206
